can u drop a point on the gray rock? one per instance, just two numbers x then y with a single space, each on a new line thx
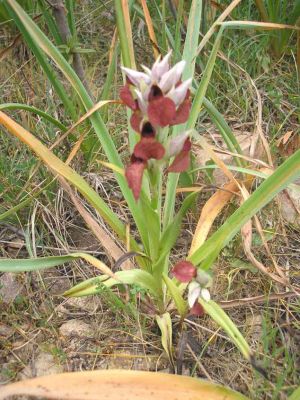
9 287
77 328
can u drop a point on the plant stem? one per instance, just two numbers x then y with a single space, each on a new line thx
59 13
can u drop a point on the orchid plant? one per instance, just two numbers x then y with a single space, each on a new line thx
162 117
159 99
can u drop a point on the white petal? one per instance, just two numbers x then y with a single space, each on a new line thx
141 101
176 144
160 67
136 77
177 94
194 293
205 294
170 78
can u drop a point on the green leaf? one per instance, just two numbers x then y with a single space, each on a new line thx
202 88
192 38
243 170
171 233
124 32
222 319
36 264
176 295
87 288
295 395
130 277
34 110
165 325
224 129
151 221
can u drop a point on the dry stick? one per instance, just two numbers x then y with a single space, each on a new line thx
199 364
150 28
256 300
59 13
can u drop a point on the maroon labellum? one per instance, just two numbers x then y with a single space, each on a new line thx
184 271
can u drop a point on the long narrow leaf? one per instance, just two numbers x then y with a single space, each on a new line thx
37 264
130 277
125 33
175 294
34 110
222 319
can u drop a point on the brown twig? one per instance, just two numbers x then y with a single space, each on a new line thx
256 299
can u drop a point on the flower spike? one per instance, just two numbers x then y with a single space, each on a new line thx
158 98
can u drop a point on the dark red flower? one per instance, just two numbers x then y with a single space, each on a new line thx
161 111
197 309
184 271
182 160
136 120
182 112
148 148
127 97
134 175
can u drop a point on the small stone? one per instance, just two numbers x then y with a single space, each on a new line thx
43 364
76 327
90 304
289 201
6 331
9 287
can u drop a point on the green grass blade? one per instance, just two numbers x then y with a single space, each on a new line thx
34 110
130 277
178 28
124 31
176 295
295 395
233 168
285 174
192 37
202 88
71 17
224 129
222 319
17 265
